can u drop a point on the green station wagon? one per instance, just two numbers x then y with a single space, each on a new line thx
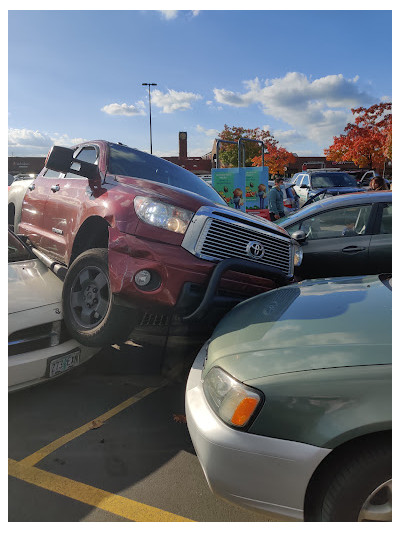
289 403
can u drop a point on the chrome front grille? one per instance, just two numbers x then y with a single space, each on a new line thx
217 235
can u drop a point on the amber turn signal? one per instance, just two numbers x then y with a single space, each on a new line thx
244 411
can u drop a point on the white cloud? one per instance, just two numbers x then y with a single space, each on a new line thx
170 14
318 109
27 138
173 100
289 137
65 140
210 132
124 109
223 96
23 142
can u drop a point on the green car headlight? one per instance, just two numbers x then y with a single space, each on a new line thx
234 402
298 255
162 215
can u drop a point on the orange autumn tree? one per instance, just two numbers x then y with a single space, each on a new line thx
276 159
367 142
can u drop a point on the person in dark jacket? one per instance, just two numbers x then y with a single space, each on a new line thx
275 201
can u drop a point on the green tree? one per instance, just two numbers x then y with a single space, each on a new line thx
228 153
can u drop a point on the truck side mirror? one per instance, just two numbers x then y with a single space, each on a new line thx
299 236
61 159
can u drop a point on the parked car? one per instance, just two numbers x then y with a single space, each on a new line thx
344 235
39 346
364 177
310 182
20 176
16 193
289 404
290 197
146 242
207 178
322 194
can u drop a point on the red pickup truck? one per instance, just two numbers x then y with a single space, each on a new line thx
142 242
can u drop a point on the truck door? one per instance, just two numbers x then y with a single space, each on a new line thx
66 196
33 206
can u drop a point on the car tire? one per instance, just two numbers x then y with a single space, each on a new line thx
361 489
90 314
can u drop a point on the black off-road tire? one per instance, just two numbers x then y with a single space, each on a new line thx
360 490
90 314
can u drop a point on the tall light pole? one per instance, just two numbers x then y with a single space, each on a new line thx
151 142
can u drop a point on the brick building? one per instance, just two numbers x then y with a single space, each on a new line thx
308 162
197 165
25 165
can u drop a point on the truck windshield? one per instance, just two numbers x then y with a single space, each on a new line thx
332 179
125 161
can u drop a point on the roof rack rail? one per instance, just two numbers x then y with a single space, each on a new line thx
324 170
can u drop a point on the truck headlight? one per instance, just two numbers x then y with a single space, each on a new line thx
234 402
298 255
162 215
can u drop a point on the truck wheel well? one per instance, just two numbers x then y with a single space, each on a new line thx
92 234
323 474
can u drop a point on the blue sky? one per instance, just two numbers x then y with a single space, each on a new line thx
77 75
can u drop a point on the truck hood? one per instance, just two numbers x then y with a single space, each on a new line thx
190 200
310 325
336 190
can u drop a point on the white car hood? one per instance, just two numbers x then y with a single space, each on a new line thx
32 285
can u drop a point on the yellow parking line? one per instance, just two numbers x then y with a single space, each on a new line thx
112 503
35 457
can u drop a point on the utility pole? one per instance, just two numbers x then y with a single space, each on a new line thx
151 141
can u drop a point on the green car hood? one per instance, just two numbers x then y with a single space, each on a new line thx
315 324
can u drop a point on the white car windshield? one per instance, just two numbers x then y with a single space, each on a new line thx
332 179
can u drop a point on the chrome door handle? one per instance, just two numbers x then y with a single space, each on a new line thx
55 188
31 186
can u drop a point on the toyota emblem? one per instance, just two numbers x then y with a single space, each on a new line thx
255 250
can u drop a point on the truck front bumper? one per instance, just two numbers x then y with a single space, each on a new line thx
188 286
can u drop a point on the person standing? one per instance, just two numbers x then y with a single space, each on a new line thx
275 201
378 184
262 193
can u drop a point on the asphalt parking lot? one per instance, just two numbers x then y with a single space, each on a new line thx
108 442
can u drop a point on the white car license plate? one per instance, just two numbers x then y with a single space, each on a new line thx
64 363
